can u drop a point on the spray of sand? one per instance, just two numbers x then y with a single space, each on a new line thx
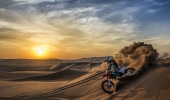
138 56
100 68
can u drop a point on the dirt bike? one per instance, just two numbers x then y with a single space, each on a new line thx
107 85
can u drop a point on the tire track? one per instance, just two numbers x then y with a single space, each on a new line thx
58 90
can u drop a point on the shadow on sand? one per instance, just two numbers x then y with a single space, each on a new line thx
152 81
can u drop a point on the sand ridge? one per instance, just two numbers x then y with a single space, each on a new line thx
78 80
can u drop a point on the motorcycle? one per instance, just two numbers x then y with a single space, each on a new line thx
107 85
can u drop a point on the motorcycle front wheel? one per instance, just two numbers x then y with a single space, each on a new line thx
106 87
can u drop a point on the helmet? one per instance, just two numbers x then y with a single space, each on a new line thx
109 59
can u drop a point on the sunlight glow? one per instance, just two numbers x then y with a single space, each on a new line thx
40 50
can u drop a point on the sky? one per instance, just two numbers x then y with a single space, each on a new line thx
70 29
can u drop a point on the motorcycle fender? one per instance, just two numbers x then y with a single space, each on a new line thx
104 76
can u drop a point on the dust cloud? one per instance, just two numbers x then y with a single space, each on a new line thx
138 56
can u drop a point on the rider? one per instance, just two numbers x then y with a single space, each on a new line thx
112 63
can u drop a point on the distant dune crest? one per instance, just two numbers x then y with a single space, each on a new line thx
164 55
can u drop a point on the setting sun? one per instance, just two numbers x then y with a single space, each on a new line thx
40 50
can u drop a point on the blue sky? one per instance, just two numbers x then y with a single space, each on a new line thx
81 28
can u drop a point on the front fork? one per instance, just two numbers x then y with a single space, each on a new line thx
108 79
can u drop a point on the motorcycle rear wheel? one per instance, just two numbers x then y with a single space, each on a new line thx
130 70
106 88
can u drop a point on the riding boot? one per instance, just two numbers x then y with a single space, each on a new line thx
114 77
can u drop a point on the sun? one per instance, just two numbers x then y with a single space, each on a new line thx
40 50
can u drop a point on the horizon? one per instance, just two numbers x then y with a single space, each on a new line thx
160 57
67 29
53 58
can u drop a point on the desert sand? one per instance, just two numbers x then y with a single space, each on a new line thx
81 79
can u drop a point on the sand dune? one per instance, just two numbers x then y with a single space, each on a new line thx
9 65
64 75
76 65
164 62
151 85
80 66
13 75
82 80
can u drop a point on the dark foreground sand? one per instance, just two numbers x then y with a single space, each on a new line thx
71 82
55 79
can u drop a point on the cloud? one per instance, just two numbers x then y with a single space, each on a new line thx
94 25
152 11
157 2
160 40
6 4
33 1
75 27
